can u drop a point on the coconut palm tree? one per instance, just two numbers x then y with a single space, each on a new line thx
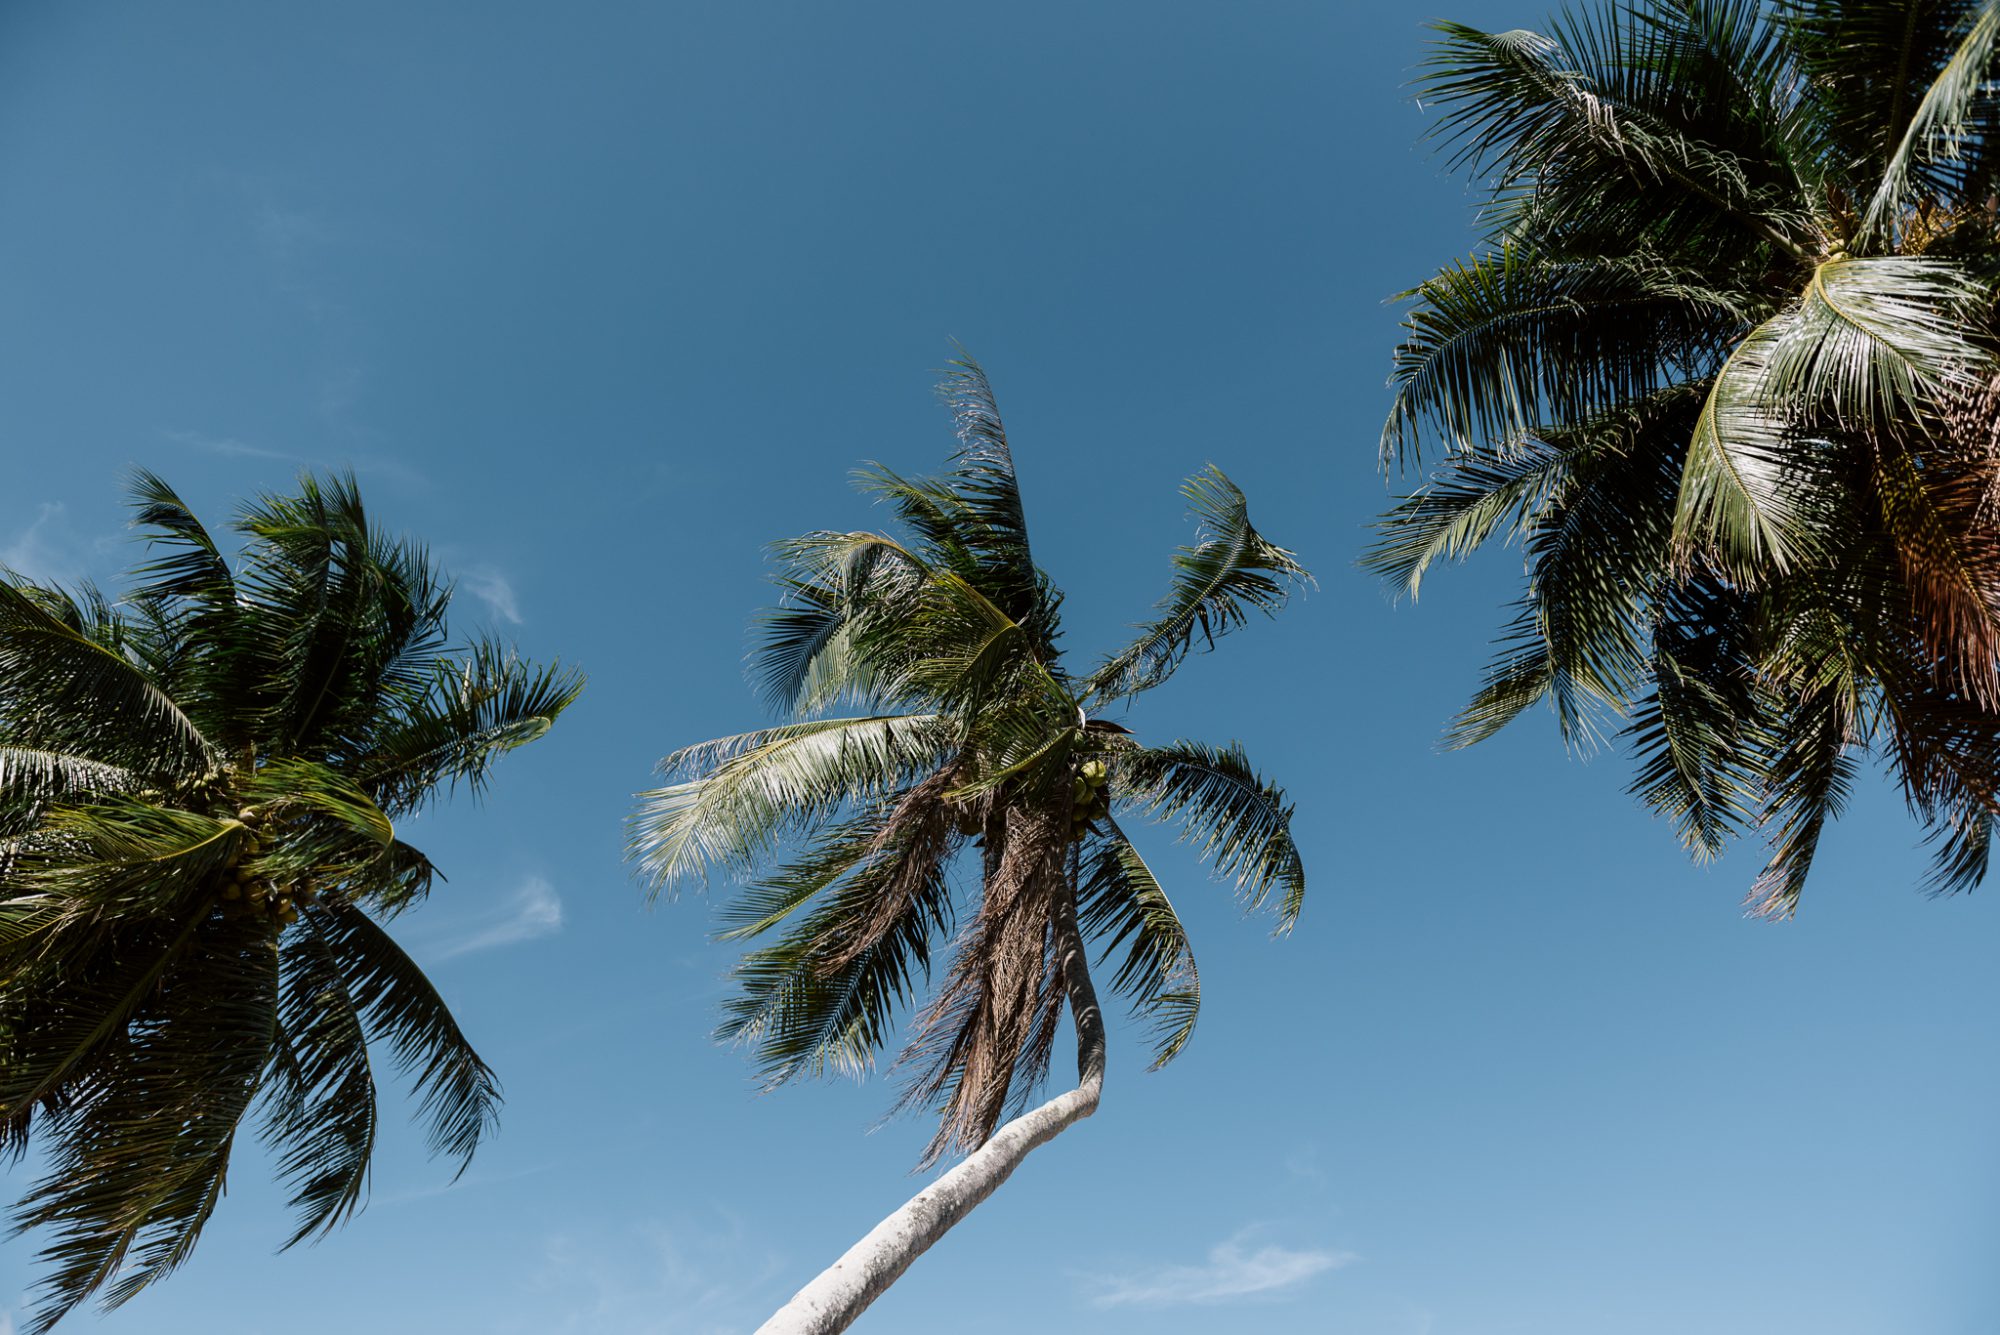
198 794
1724 364
969 742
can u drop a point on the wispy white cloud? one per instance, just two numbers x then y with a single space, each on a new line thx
6 1323
1234 1269
29 553
708 1278
50 550
227 446
491 587
534 911
1303 1165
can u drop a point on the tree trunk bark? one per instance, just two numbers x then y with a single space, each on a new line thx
841 1292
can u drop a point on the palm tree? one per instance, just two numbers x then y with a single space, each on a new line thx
1724 364
969 737
198 789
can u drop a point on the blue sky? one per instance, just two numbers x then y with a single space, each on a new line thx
598 300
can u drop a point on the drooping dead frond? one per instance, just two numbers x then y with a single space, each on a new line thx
968 1046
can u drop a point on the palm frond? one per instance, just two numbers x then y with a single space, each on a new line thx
991 523
321 1120
1751 488
1505 341
1880 340
456 1091
1698 734
1120 901
473 710
825 996
137 1161
751 789
1231 571
1237 820
1457 511
67 692
1944 126
1809 780
1867 66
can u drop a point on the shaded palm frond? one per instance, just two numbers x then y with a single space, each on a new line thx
1231 571
1120 903
826 995
457 1092
1698 734
322 1112
67 692
1503 342
138 1158
1810 775
473 710
1237 820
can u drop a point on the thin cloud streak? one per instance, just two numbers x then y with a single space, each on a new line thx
50 550
536 912
226 446
489 586
1233 1270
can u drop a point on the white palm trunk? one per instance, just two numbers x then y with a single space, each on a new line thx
842 1291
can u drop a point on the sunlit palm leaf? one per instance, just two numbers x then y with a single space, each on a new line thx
754 787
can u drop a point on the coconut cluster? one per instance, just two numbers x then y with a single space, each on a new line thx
245 894
1090 796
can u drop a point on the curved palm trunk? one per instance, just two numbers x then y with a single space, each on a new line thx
842 1291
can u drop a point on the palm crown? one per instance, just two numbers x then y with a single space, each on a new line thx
198 789
1725 367
971 735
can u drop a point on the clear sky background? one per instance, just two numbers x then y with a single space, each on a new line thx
598 299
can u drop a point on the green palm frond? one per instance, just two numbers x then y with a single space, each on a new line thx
1503 342
1545 117
1698 735
138 1159
1751 489
473 710
457 1092
992 525
1120 903
1947 124
321 1115
753 788
29 776
193 566
1879 340
1461 508
1811 776
1962 849
1868 66
1238 821
1231 571
1594 544
67 692
825 997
